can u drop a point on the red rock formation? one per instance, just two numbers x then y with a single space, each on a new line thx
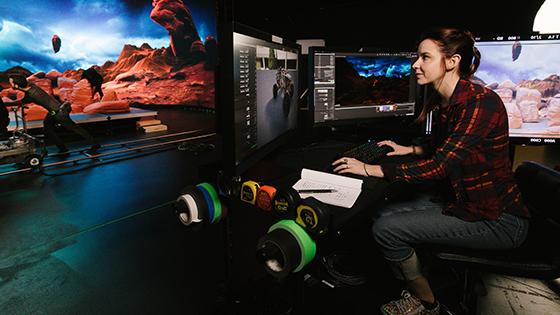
554 112
529 111
129 56
174 16
108 64
505 94
53 74
66 82
34 112
107 107
548 87
109 95
192 85
507 84
78 94
154 63
72 74
527 94
45 84
514 116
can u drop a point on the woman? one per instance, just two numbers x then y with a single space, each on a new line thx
480 205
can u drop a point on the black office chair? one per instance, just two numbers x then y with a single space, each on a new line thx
540 187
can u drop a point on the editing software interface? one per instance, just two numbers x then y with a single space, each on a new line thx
359 85
525 72
265 92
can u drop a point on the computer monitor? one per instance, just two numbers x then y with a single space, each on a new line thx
348 86
525 72
263 86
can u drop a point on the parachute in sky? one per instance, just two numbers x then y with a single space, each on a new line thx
56 42
515 50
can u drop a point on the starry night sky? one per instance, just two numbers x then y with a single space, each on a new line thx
92 31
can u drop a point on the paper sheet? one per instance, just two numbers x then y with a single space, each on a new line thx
347 189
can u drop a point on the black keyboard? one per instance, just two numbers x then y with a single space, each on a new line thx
367 152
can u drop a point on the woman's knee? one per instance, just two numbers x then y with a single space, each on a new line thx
384 228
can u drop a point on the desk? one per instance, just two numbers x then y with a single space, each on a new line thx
248 278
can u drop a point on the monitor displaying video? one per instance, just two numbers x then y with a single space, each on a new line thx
525 72
265 83
349 86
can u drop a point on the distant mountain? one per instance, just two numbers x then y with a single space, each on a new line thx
548 87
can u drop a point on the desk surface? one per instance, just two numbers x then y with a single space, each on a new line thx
283 169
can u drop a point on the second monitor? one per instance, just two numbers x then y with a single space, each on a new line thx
348 86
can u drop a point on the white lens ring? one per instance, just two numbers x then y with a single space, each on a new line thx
192 210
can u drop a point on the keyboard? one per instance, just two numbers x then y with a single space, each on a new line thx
368 152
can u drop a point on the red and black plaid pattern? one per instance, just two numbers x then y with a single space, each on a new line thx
473 154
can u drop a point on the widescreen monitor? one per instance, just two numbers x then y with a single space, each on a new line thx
264 88
350 86
525 72
139 58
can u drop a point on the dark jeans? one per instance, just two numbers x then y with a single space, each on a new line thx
402 225
49 126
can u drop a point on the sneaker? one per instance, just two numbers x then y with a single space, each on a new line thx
408 305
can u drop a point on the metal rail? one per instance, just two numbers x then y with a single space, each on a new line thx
132 149
123 143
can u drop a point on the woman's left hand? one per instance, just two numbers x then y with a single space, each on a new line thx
349 165
346 165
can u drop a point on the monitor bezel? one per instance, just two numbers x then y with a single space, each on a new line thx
355 121
521 140
226 120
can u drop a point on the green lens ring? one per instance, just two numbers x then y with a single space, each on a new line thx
215 200
307 245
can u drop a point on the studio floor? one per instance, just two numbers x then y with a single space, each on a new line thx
104 240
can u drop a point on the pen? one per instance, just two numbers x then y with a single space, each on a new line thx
315 191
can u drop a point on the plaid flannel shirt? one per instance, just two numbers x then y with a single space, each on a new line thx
473 155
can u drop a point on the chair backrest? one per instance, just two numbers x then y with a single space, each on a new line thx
540 188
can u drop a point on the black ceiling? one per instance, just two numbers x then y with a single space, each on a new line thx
383 23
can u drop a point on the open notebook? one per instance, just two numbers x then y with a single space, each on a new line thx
346 189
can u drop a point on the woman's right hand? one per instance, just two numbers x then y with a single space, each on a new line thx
397 149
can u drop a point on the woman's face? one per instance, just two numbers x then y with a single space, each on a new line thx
429 67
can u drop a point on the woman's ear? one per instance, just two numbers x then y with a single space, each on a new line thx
452 62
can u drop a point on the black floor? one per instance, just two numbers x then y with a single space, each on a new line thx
101 237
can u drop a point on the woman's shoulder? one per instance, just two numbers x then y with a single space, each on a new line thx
480 92
474 95
477 88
